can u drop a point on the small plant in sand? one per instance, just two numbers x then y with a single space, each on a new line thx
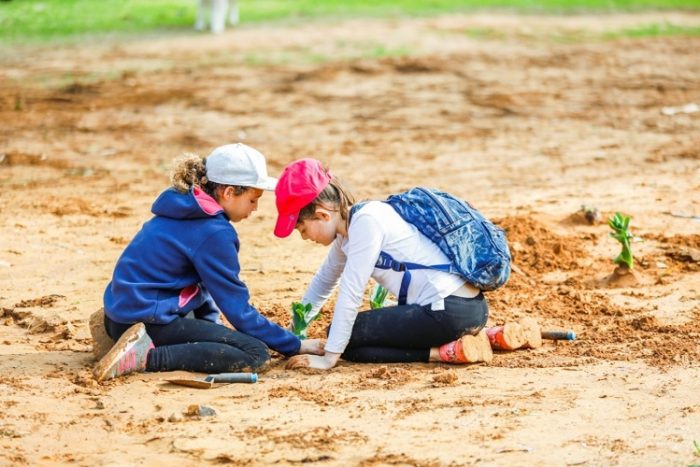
697 454
301 319
620 226
376 300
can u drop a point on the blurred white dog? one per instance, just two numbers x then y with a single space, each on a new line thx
217 14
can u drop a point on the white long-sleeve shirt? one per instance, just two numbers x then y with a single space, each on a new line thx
376 227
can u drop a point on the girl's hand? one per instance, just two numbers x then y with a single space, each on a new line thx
312 346
319 362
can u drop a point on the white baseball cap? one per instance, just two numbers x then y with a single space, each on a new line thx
240 165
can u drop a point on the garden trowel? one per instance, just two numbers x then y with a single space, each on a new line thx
210 380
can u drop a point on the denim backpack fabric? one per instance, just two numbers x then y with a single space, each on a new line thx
476 248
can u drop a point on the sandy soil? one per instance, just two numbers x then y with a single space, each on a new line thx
526 128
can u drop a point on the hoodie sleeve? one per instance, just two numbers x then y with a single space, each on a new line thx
216 261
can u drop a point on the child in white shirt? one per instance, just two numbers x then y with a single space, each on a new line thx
443 318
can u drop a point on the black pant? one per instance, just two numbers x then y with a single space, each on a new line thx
199 345
406 333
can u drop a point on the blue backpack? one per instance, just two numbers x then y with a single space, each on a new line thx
477 249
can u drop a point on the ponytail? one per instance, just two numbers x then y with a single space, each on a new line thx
190 171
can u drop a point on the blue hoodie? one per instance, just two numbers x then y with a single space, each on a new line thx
186 258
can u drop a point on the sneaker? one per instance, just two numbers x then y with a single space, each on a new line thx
127 356
101 342
524 334
467 349
532 332
510 336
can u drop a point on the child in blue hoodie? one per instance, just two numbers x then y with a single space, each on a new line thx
185 261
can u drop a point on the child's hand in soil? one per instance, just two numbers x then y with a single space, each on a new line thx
312 346
318 362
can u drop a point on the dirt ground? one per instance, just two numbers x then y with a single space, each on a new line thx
525 127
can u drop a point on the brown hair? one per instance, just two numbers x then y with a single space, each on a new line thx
334 197
190 170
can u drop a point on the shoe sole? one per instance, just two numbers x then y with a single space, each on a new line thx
513 336
532 333
126 341
101 342
477 348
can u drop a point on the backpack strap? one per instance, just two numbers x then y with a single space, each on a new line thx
386 261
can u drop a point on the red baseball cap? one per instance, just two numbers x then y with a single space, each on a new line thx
300 183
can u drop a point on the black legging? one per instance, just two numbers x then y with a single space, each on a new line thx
406 333
199 345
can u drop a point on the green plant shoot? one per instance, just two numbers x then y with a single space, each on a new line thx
378 297
301 319
620 225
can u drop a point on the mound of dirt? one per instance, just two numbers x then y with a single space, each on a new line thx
536 249
621 276
580 301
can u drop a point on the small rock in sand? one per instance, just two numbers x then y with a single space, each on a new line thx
195 410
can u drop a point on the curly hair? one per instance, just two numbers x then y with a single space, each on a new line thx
190 170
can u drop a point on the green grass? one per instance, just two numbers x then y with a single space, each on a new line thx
578 36
41 20
654 30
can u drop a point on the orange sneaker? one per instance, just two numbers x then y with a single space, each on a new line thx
467 349
532 332
524 334
510 336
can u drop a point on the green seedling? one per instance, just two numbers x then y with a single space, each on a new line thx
301 319
378 297
620 225
697 454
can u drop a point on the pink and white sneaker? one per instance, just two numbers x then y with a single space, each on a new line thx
127 356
